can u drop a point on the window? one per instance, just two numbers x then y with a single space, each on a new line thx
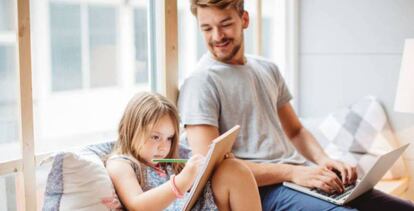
83 45
98 60
8 192
66 58
88 58
274 32
8 93
141 45
9 123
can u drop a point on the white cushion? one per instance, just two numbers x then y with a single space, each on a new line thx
78 180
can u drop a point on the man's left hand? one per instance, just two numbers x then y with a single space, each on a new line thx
348 172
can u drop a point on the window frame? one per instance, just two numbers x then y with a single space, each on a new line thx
166 45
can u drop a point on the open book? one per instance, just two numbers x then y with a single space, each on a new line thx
216 154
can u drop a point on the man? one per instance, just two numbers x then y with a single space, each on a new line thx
229 88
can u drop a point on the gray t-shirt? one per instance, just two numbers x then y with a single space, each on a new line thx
249 95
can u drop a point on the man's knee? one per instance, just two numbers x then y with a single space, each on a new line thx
232 171
233 167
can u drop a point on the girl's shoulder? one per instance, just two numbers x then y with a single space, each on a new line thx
135 164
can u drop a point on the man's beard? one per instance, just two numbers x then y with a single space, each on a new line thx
231 55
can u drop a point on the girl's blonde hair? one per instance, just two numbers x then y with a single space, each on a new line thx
142 113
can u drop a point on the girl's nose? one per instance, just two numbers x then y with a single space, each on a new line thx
164 144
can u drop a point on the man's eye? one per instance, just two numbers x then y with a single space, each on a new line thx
206 29
227 25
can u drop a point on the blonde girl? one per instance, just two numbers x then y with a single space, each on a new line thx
149 130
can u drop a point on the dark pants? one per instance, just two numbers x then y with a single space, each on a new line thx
278 197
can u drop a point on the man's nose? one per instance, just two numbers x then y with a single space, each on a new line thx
218 34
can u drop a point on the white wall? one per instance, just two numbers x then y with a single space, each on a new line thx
350 49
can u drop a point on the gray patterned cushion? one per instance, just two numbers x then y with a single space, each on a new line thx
357 135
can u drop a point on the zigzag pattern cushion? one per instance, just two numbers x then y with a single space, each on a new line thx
357 135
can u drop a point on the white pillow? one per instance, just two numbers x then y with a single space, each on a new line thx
79 181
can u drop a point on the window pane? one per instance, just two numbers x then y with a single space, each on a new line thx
273 35
65 35
7 9
190 40
8 193
249 36
88 39
9 116
141 45
103 46
8 95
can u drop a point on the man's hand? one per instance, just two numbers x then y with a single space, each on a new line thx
317 177
348 172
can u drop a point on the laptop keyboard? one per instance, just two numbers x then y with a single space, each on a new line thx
335 195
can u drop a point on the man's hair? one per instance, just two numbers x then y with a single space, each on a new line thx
238 5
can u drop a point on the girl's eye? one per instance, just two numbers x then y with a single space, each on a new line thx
155 138
170 139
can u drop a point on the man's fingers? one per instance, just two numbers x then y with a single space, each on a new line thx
349 174
354 174
229 155
336 179
332 182
342 170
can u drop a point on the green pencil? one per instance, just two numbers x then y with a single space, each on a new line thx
169 160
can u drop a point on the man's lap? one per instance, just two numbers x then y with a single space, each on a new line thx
278 197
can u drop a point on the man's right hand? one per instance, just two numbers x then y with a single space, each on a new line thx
317 177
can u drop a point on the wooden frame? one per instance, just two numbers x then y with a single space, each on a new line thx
26 104
169 53
258 30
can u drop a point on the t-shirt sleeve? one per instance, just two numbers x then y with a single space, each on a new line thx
284 95
198 101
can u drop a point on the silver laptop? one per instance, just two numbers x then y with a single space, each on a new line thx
375 173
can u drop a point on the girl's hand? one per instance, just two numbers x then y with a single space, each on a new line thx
192 166
189 172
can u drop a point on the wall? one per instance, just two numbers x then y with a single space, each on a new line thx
350 49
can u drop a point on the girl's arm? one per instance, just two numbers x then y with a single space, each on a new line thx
130 191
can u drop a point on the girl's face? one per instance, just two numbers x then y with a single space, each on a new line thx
158 145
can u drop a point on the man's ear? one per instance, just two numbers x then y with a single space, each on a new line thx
245 20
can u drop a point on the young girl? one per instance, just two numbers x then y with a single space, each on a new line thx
149 130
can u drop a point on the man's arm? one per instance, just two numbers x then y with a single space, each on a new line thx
200 137
304 142
307 145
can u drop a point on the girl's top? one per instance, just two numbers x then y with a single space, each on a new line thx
153 177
